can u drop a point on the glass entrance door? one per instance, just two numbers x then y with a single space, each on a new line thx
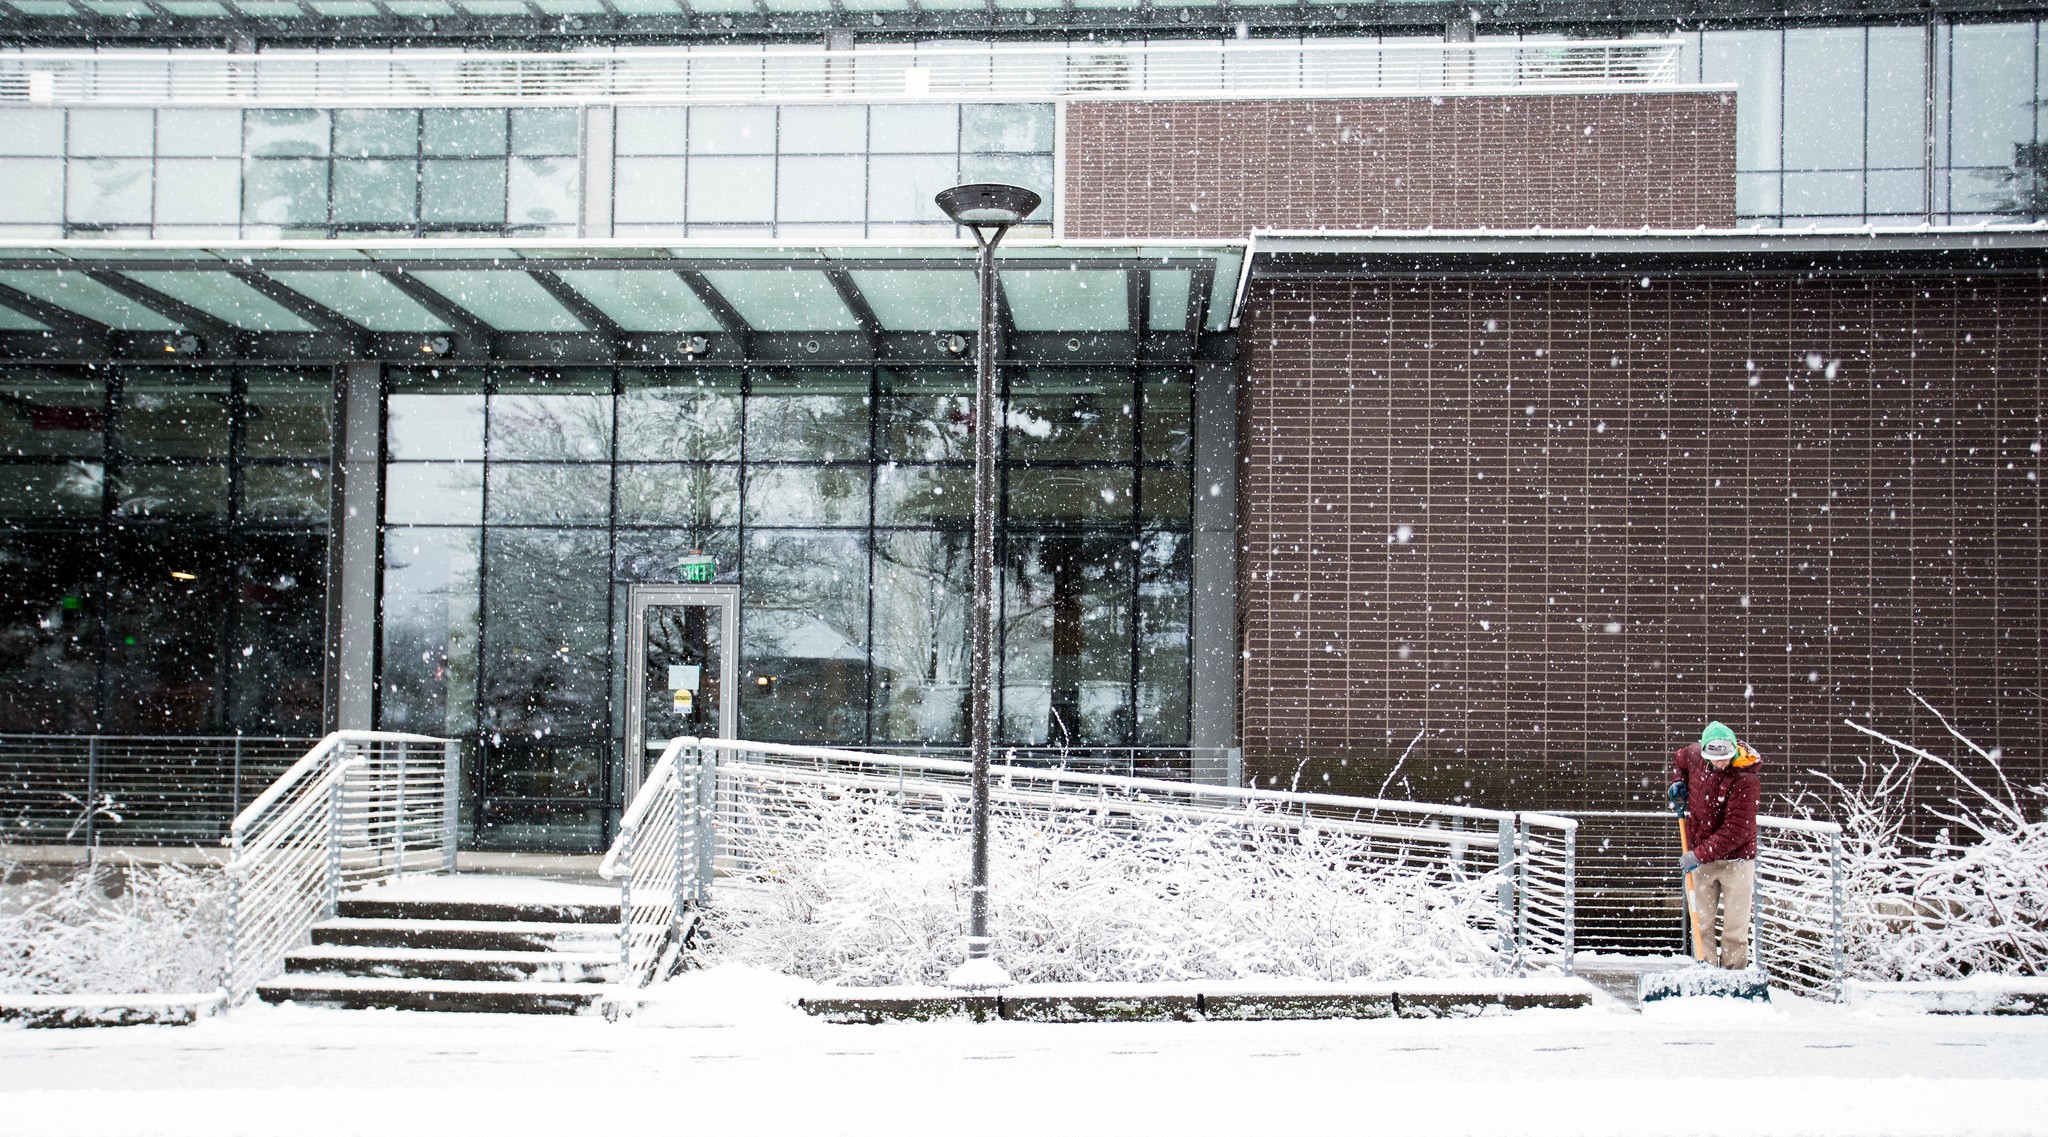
679 678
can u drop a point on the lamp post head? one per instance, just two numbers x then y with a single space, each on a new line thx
984 203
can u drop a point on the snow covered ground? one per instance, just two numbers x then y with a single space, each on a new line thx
724 1052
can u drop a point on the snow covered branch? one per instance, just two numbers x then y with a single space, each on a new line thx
102 930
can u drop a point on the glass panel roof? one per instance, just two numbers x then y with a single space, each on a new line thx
13 321
642 301
224 298
1169 300
785 300
89 298
1067 300
919 300
507 301
363 297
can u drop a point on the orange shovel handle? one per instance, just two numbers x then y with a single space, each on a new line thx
1699 939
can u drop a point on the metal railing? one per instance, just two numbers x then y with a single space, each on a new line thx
359 806
710 801
789 75
70 789
1632 900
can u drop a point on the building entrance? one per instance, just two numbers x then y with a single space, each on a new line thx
679 669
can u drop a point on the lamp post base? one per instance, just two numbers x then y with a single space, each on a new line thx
979 970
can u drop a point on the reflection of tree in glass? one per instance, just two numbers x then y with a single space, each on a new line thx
430 620
922 607
804 628
1067 641
2023 186
546 633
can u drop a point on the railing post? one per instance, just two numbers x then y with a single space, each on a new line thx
1571 898
681 854
235 802
1506 864
451 802
707 810
236 965
1522 895
625 976
334 796
398 867
92 793
1837 950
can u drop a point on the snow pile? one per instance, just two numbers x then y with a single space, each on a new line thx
142 929
1974 900
868 892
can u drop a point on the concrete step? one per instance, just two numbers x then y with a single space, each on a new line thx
370 908
363 993
466 935
470 966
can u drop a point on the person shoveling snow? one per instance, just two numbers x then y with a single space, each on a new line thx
1715 788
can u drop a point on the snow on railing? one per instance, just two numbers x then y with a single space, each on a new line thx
721 801
360 806
791 75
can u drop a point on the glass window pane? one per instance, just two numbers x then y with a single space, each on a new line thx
375 133
783 300
1993 93
651 130
173 414
107 191
171 491
545 131
1067 641
803 636
164 656
824 130
429 607
286 414
52 629
807 495
38 191
506 300
111 133
926 416
285 493
920 300
1006 128
1163 496
1169 416
549 493
912 128
1824 101
1167 300
732 130
641 301
815 416
89 298
433 493
1751 61
456 192
1164 573
546 658
697 497
31 133
376 192
52 489
1069 496
1068 300
443 423
223 297
545 191
52 413
284 191
284 133
731 189
924 495
190 132
550 427
649 190
464 132
1071 415
650 555
821 189
902 188
198 191
365 297
680 416
1032 171
1898 89
1823 194
924 582
1897 191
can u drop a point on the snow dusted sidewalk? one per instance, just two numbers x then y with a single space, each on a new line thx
726 1051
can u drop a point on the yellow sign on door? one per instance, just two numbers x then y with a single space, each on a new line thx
683 700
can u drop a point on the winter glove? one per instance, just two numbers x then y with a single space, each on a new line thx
1688 862
1677 793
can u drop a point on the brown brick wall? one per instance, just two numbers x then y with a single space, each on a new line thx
1553 525
1221 169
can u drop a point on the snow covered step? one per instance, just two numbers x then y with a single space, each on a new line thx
363 993
465 935
485 966
374 907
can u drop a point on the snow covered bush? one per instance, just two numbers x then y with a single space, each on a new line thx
107 930
868 891
1972 900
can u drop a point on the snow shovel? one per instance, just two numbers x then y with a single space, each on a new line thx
1702 978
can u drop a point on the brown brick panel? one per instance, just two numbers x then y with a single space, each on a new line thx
1551 526
1223 168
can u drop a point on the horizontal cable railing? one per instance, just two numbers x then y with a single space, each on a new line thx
719 800
1632 898
360 806
777 75
133 789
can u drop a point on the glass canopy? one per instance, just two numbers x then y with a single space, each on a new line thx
414 288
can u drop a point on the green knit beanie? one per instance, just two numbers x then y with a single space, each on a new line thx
1717 732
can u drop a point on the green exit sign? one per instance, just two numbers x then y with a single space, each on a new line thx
696 569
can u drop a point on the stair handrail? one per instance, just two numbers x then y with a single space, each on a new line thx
656 860
359 807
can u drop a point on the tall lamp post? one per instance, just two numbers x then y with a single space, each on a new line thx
987 211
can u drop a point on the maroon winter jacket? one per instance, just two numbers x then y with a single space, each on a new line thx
1720 806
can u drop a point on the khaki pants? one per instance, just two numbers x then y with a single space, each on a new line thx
1729 886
